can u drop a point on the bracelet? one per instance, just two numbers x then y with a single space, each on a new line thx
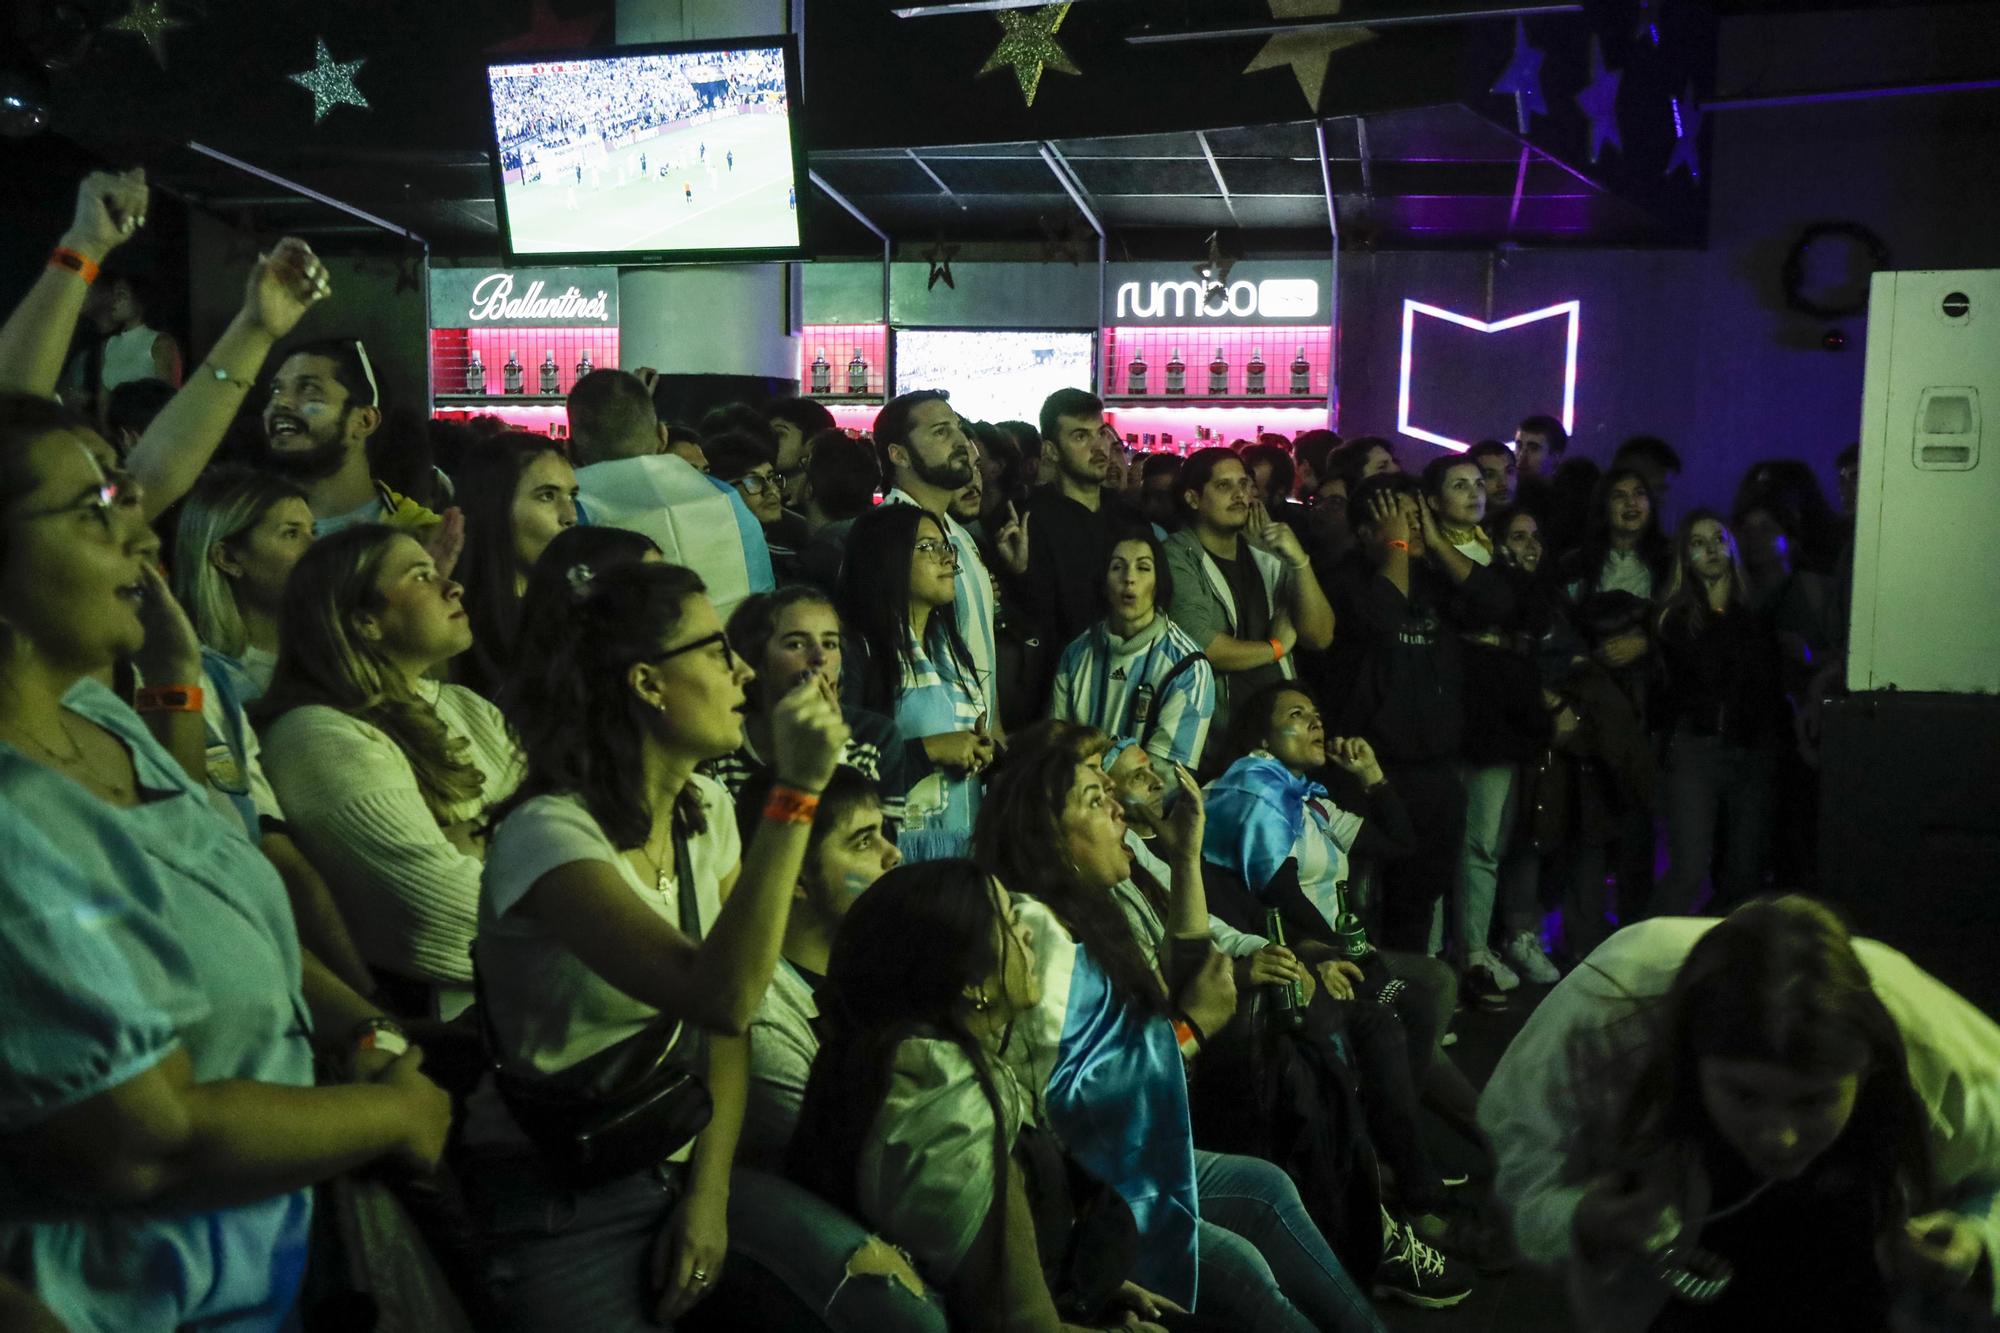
1399 545
1277 649
1184 1037
379 1034
167 699
70 261
1192 1027
221 376
789 805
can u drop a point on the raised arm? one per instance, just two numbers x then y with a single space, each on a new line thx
1311 614
181 440
110 208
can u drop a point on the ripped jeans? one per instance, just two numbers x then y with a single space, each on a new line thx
561 1260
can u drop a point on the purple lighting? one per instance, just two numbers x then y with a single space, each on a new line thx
1411 309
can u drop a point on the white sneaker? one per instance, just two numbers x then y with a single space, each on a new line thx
1524 951
1503 975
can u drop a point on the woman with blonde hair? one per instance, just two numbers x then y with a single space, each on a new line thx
385 774
239 535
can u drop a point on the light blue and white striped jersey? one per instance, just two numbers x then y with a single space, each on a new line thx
1114 684
974 604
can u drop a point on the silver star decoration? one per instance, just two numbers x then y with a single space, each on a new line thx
149 19
1687 133
1214 270
330 81
1599 101
1523 79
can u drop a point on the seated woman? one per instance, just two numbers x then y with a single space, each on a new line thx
240 533
604 934
897 589
1135 675
914 1120
787 636
159 1127
518 493
386 776
1107 1043
1760 1122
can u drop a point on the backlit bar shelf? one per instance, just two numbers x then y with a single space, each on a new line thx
856 368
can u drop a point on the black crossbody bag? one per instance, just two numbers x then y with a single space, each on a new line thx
625 1109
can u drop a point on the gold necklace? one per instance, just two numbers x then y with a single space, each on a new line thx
76 762
661 880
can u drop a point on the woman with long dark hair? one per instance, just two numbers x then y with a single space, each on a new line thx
1623 548
914 1121
1754 1123
619 913
898 587
1725 713
1107 1045
518 493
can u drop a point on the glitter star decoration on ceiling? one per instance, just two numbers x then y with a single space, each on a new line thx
1687 135
1523 78
1030 46
330 81
150 20
1599 102
1307 53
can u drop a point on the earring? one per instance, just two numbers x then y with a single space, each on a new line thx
980 1004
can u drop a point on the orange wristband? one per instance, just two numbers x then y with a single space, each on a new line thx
168 699
1277 649
1402 546
788 805
63 257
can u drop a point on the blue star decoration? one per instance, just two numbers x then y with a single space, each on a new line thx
1523 77
1687 134
330 81
1599 101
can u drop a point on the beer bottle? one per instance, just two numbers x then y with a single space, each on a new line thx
1284 1004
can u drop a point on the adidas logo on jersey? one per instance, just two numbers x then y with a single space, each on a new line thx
1118 674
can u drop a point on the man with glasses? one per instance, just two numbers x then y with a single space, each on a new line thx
751 467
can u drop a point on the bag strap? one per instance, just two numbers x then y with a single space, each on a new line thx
1160 694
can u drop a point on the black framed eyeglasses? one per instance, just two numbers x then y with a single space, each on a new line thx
729 658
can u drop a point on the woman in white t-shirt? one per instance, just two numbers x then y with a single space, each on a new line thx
616 697
386 775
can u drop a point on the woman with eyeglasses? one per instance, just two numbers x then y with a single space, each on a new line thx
385 773
619 907
159 1127
898 586
517 492
751 466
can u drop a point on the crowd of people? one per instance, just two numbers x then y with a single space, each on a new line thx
739 875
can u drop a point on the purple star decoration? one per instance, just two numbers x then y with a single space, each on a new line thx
1599 101
1523 79
1648 23
1687 131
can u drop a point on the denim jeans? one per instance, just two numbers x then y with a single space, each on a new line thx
1264 1265
561 1260
1489 818
1710 783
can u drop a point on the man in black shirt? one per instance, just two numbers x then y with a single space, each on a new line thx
1073 516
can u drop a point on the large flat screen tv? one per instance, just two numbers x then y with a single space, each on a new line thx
650 154
995 374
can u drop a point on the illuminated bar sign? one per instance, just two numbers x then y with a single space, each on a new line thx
485 298
1249 293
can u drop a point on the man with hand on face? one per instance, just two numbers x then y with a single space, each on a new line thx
847 851
928 462
1243 586
1074 514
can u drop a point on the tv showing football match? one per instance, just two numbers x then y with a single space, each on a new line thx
650 154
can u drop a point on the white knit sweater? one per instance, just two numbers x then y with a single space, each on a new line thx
351 800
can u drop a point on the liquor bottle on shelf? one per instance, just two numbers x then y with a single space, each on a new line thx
1302 370
551 377
1253 374
1176 373
511 374
475 375
857 374
1132 440
1148 438
1285 1001
1167 442
1218 373
822 374
1135 375
583 364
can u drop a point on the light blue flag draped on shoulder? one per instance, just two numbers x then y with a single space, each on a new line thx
1115 1090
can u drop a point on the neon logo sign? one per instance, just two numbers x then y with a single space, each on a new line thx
1411 309
1273 298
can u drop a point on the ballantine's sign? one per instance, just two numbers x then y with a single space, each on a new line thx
493 300
474 298
1273 298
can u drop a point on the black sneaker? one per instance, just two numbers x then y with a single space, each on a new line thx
1468 1235
1479 988
1416 1274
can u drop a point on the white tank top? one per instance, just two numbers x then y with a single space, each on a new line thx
128 356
